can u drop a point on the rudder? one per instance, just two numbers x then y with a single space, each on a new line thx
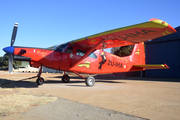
138 54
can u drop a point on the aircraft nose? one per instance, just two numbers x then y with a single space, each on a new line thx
9 50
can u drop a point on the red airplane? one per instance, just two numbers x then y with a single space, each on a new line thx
87 55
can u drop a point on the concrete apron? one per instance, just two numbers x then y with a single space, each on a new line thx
147 99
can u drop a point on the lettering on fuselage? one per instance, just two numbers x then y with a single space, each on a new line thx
42 53
136 34
116 64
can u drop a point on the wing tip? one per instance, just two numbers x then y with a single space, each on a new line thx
161 22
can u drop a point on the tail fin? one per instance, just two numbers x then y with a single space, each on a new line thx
138 57
138 54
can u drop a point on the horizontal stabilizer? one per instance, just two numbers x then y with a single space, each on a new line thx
147 67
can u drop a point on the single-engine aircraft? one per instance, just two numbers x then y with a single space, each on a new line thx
87 55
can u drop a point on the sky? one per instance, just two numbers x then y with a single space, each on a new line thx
44 23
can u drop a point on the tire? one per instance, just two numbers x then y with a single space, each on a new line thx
90 81
40 82
65 79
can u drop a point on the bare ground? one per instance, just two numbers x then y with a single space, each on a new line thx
17 100
143 97
25 104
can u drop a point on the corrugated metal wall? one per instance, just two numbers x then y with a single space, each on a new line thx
164 50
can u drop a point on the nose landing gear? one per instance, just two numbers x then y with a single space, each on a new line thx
40 80
65 78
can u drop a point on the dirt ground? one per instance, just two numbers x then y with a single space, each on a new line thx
18 100
142 97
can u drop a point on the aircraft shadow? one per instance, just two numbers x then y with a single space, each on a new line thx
139 78
104 78
13 84
103 81
54 81
27 83
98 79
71 77
27 78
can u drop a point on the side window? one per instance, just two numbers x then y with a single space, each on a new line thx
80 52
69 50
92 55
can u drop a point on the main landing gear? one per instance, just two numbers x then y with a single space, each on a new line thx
89 81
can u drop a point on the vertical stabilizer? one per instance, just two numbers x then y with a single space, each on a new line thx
138 54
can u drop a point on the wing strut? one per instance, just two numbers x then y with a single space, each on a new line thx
91 50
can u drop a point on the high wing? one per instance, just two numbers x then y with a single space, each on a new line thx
154 28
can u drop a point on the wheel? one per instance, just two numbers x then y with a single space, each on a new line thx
65 79
40 82
90 81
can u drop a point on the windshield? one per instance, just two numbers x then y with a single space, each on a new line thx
59 48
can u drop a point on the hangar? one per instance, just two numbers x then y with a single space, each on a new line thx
164 50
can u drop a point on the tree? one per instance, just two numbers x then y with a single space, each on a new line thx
4 61
17 63
1 61
122 51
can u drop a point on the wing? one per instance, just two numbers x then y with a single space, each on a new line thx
154 28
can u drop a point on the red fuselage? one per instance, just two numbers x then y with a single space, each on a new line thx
98 62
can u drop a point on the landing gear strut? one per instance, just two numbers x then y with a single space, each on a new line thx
65 78
89 81
40 80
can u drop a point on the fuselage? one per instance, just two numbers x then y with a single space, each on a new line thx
66 58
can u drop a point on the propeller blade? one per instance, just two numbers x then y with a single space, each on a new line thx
14 34
10 63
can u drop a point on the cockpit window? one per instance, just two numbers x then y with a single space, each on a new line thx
60 48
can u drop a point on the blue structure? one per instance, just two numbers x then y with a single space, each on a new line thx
164 50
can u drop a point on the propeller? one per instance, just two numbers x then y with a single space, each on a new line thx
10 50
14 34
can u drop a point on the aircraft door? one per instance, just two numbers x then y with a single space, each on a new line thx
67 58
78 54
